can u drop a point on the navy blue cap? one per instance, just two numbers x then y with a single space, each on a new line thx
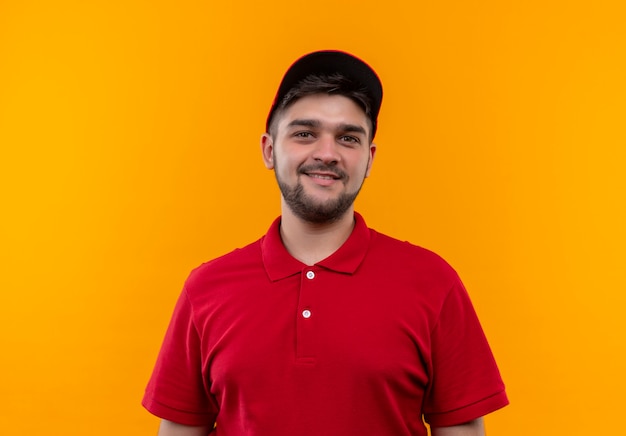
330 62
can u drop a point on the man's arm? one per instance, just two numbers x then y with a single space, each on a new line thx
169 428
472 428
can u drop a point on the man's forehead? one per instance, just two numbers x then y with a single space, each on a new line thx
318 109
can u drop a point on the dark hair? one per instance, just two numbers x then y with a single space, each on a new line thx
331 84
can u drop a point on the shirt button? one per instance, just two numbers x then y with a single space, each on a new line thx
310 275
306 314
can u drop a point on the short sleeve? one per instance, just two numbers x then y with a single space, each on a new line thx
178 391
466 382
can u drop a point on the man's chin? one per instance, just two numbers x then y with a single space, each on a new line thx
319 212
316 205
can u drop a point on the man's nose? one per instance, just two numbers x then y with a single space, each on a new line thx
326 150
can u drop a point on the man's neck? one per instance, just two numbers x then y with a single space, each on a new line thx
312 242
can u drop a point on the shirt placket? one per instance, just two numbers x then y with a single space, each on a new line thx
306 316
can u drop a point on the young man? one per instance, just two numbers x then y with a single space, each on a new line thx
324 326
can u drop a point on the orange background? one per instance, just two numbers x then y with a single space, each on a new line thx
129 134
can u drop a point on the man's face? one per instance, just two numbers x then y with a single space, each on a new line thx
321 154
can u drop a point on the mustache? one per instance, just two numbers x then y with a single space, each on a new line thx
322 168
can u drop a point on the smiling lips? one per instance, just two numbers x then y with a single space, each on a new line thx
322 173
323 176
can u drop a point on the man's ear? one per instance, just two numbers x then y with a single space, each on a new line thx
267 150
370 159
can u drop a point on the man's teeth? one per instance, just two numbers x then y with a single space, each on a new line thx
320 176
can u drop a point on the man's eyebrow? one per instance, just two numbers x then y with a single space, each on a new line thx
304 123
353 128
312 123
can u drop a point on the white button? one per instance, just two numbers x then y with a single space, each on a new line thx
310 275
306 313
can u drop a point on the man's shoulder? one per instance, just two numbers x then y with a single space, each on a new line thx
405 254
398 247
238 261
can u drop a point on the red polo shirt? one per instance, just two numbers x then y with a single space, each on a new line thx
365 342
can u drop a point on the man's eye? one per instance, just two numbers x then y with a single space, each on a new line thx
351 139
303 134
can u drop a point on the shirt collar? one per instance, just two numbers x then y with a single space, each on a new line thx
279 264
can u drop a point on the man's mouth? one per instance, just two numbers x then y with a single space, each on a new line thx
322 172
323 176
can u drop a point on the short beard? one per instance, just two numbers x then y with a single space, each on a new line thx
307 209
